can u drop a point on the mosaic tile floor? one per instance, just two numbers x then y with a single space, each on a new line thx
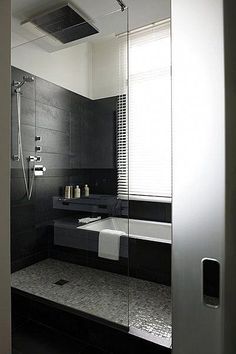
142 305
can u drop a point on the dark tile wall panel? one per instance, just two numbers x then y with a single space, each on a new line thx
27 243
45 112
27 109
22 217
46 188
52 118
150 261
73 151
78 147
57 164
104 141
52 95
16 169
18 194
150 211
93 125
28 137
80 103
53 141
80 141
100 181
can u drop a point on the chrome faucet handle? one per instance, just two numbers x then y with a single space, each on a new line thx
39 170
35 158
32 158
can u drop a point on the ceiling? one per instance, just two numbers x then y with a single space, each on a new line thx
105 14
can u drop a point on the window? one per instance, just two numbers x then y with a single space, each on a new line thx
144 141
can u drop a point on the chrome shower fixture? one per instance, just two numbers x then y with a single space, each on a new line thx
122 5
19 84
19 156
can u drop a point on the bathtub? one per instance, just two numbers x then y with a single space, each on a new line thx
138 229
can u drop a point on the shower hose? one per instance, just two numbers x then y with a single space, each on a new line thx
28 185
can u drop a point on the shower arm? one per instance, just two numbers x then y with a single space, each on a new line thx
122 5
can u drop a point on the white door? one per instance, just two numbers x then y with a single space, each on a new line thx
199 175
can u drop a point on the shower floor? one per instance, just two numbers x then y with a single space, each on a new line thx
142 306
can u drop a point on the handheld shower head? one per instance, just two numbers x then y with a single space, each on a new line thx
26 79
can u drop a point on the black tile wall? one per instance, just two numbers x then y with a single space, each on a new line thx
42 114
57 164
16 169
78 147
78 141
46 188
150 261
27 109
26 244
22 217
150 211
18 194
52 95
74 151
93 133
103 141
101 181
52 118
81 104
53 141
28 137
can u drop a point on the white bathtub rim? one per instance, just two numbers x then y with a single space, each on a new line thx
134 236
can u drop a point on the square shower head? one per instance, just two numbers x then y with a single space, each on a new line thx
65 24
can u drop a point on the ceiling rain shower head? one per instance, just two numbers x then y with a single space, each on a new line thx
65 23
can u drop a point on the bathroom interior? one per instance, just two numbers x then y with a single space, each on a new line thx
91 176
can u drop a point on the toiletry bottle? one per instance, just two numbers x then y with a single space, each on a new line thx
86 190
77 192
67 192
71 191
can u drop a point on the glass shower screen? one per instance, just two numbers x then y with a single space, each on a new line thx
71 247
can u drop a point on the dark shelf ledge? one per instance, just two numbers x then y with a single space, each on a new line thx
95 203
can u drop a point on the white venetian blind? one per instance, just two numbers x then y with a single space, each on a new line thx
144 140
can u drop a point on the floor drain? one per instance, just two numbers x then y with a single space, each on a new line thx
62 282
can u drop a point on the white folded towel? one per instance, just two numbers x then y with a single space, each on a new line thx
109 244
88 220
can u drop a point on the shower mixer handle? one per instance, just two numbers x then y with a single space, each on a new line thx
39 170
35 158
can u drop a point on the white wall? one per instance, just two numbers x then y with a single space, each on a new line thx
109 68
69 68
90 69
72 68
5 106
